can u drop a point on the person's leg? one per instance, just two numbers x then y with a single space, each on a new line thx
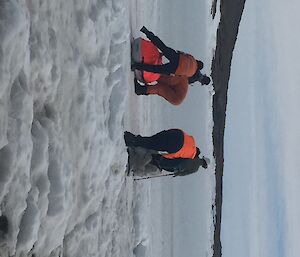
170 141
170 93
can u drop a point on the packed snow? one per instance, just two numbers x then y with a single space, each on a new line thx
64 67
66 97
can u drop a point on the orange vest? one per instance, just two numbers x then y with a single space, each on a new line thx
188 150
187 65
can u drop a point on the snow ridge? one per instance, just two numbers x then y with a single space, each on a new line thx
64 67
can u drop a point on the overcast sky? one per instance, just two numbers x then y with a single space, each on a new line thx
262 137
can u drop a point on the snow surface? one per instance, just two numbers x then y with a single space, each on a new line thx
66 97
64 67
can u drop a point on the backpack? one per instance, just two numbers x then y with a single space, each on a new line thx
145 51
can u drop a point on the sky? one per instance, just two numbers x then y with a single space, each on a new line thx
262 135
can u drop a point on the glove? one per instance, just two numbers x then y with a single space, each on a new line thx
139 89
144 30
148 33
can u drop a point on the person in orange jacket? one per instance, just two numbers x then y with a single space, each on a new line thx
180 63
176 147
175 142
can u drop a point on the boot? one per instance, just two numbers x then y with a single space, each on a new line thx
139 89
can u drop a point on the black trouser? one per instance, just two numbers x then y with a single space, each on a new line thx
169 53
169 141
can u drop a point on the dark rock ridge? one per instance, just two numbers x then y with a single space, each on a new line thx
231 13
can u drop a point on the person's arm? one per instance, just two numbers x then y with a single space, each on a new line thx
149 34
171 165
184 173
166 51
196 77
179 166
193 79
187 167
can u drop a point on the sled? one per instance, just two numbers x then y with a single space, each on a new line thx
145 51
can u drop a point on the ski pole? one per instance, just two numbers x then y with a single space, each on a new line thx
158 176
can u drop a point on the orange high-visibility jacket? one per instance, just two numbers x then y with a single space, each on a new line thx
172 88
188 150
187 65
